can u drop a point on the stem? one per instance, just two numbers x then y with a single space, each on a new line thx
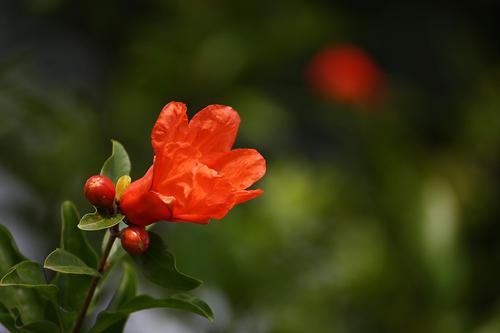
113 231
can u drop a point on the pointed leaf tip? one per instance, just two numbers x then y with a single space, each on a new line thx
9 252
63 261
118 164
96 221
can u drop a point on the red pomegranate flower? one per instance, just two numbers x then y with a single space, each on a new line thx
346 74
195 175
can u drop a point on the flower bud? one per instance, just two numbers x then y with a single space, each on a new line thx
135 240
121 186
100 191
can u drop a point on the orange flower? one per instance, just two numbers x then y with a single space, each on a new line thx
195 175
346 74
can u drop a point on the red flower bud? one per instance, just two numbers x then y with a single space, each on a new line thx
135 240
100 191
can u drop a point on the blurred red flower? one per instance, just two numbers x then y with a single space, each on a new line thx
346 74
195 175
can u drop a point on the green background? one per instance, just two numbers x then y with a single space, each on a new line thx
370 222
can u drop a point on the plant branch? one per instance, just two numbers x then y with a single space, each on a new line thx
113 234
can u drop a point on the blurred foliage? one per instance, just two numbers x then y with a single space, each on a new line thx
381 221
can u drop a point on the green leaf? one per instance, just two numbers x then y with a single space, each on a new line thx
180 301
158 265
72 238
126 291
7 320
24 292
73 288
118 164
43 326
96 221
127 288
63 261
115 258
29 274
26 272
16 300
9 253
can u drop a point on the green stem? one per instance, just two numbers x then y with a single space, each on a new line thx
95 280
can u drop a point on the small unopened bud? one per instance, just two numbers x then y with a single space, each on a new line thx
100 191
121 186
135 240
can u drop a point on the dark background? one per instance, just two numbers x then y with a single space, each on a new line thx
379 221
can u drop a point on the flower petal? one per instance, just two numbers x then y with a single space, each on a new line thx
171 125
216 211
203 192
213 129
143 206
193 218
174 167
209 196
240 167
141 185
243 196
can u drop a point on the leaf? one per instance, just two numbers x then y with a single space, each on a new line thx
126 291
73 288
158 265
9 253
7 320
72 238
180 301
23 301
96 221
29 274
24 292
127 288
43 326
118 164
63 261
115 258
